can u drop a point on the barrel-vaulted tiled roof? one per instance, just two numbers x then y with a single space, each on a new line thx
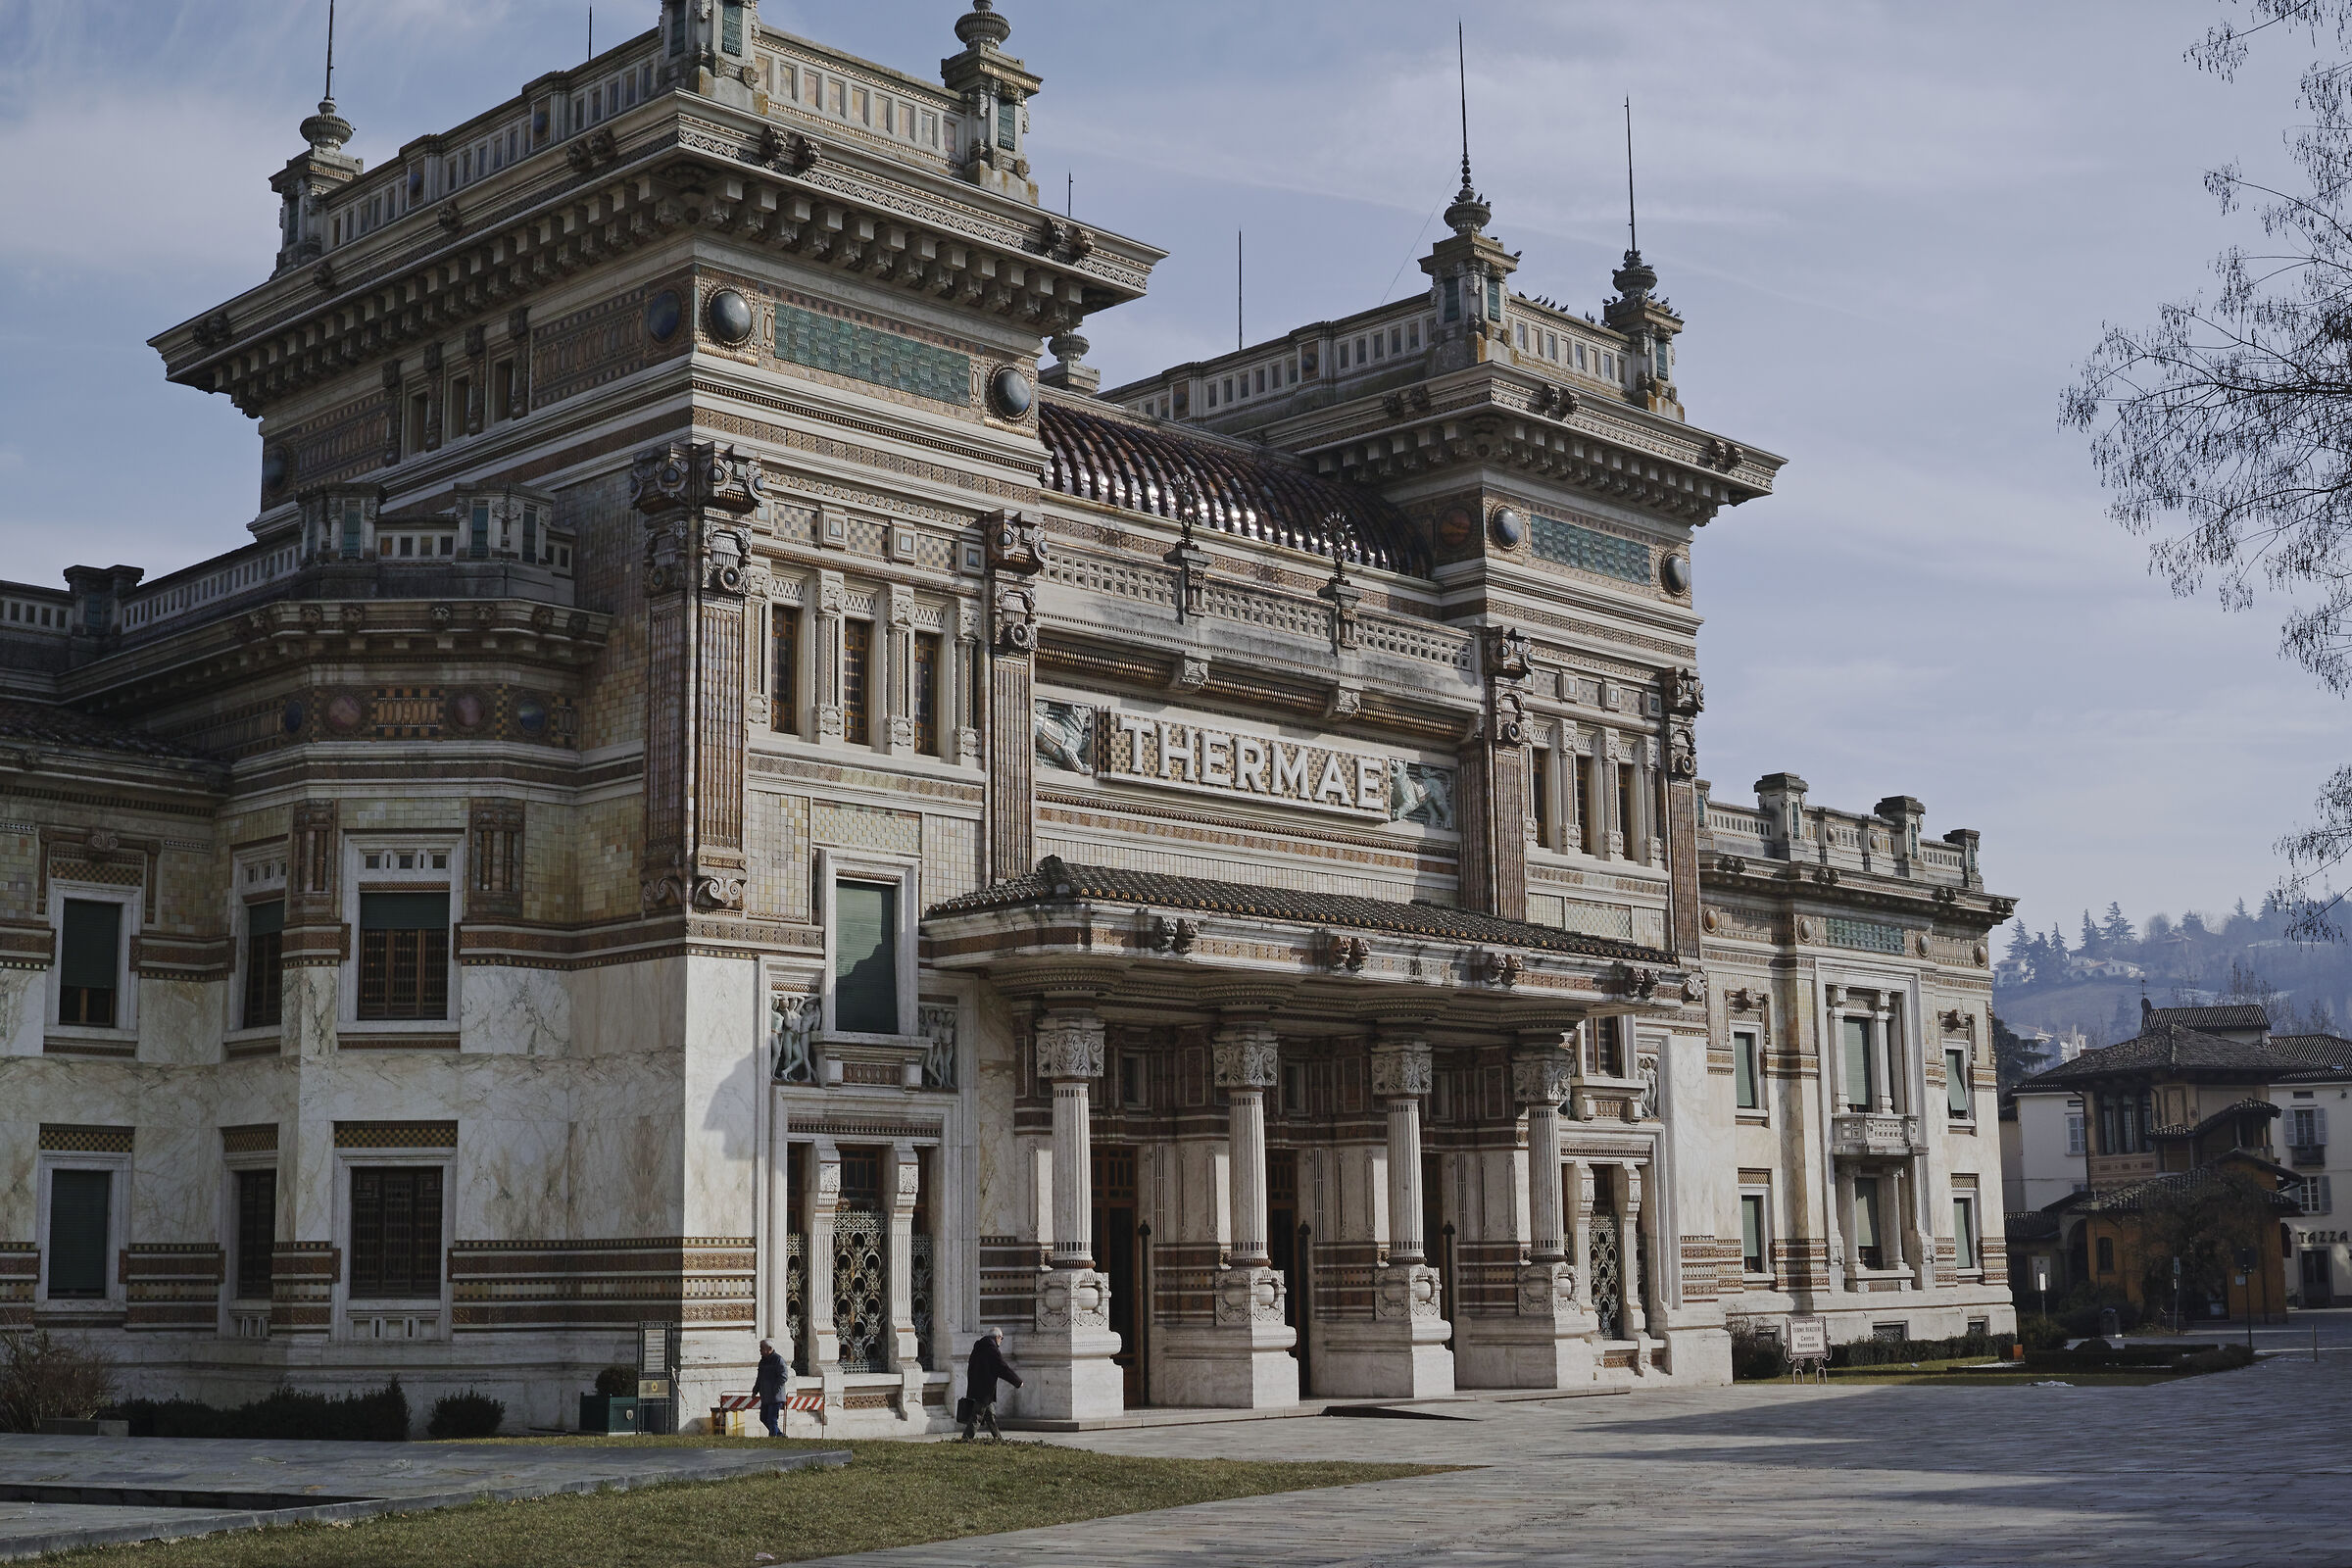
1239 490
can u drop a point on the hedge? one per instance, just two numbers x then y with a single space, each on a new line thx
1885 1352
379 1417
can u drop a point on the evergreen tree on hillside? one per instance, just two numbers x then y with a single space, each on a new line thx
2124 1025
2012 1059
2116 931
2021 943
2091 939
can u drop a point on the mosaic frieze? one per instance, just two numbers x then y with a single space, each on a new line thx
865 354
1568 545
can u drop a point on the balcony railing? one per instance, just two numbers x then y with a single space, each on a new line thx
2303 1156
1864 1133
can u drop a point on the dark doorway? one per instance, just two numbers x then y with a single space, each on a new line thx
2319 1286
1437 1236
1115 1255
1282 1234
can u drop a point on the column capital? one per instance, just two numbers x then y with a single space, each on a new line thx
1069 1044
1248 1056
1542 1075
1401 1070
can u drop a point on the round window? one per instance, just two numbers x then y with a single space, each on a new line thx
729 315
661 316
1009 390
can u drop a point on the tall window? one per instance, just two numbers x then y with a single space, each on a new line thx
1572 781
265 937
865 958
256 1232
89 962
730 27
856 680
2106 1254
1538 764
2075 1141
1008 120
1964 1231
396 1232
1624 808
1859 1078
1959 1093
2307 1127
1867 1246
80 1215
1751 1232
502 390
1746 1070
926 693
784 675
403 954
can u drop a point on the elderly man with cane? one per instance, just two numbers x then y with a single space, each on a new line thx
768 1385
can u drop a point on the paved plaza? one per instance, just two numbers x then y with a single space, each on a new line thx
2243 1467
82 1492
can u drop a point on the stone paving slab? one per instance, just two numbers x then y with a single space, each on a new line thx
2189 1472
58 1491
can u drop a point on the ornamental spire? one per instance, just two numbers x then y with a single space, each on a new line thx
1469 213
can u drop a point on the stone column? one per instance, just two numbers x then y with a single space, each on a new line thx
1630 1260
1406 1346
1549 1343
1069 1352
1244 1360
1881 1100
824 1339
905 1355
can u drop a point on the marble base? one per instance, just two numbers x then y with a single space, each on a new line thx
1065 1360
1401 1355
1548 1345
1240 1362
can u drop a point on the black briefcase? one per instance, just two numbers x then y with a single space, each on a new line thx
964 1410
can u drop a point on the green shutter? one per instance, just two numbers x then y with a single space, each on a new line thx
1744 1068
90 952
1964 1232
1956 1085
80 1205
403 912
1866 1212
1857 1063
865 958
1751 1232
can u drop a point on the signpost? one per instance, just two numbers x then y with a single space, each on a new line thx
2041 1285
1809 1347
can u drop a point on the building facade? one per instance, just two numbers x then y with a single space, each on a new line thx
725 792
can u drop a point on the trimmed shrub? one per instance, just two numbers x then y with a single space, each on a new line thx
2221 1358
379 1417
466 1415
1891 1352
618 1382
1757 1358
43 1378
2040 1334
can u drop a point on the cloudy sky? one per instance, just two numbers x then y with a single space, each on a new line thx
1893 229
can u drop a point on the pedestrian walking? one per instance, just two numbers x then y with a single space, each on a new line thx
986 1368
768 1385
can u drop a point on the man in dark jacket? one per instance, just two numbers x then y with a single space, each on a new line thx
769 1386
982 1373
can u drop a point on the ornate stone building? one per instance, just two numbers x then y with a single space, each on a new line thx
722 794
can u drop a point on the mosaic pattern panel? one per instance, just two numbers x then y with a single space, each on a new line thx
884 358
1587 550
1868 935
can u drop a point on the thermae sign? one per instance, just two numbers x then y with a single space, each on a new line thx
1173 752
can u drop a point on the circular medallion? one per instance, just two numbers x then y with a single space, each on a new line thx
1454 528
1676 572
275 468
1508 526
1009 390
467 711
728 315
343 713
661 316
1805 930
530 717
1921 944
292 718
1711 920
1979 955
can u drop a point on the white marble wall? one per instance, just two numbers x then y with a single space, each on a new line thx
724 1047
515 1011
23 993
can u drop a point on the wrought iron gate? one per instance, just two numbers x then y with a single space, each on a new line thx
918 1281
796 1301
861 1291
1608 1277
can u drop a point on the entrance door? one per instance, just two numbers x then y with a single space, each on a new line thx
1437 1236
2319 1290
1115 1255
1282 1236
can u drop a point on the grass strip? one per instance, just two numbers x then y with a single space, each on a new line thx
889 1494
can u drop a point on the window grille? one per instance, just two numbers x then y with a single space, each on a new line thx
1608 1280
395 1232
857 671
256 1232
403 954
861 1291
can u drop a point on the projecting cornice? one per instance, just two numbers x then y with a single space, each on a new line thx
1495 416
680 166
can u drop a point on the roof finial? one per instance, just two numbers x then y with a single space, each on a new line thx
326 131
1461 72
1633 231
1469 213
329 94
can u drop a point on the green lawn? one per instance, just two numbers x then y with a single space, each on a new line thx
889 1494
1952 1373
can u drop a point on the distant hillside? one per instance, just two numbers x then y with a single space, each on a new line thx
2095 981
